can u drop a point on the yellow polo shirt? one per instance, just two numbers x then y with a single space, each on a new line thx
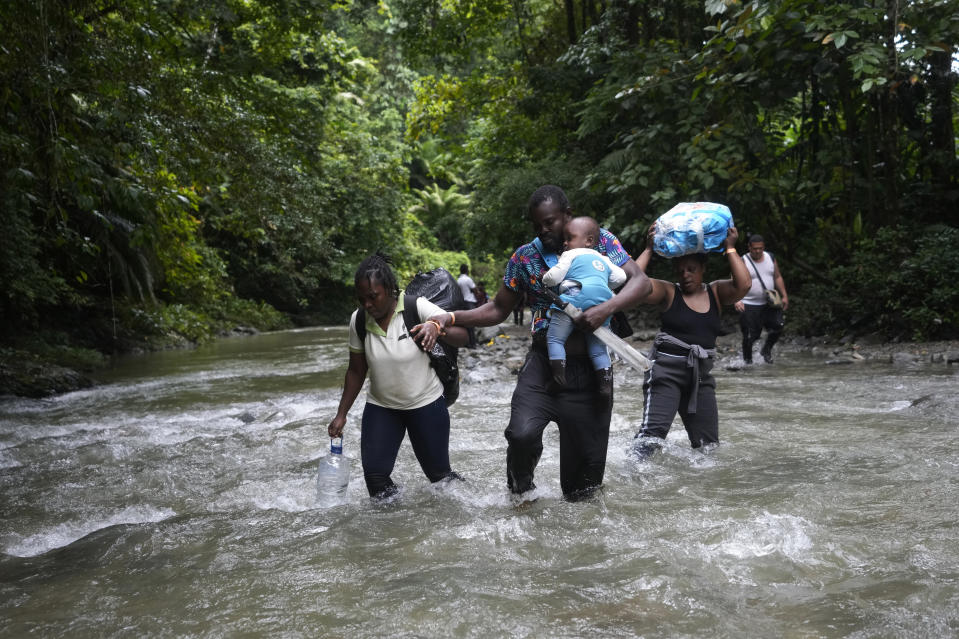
400 373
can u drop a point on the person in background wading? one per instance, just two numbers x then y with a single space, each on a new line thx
583 428
405 394
755 313
519 311
481 296
468 289
684 349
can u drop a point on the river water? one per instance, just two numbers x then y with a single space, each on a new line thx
178 499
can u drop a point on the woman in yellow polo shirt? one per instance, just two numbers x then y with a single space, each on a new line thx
405 394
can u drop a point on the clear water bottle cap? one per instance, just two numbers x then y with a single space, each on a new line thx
336 445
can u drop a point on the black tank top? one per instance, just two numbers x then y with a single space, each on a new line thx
683 323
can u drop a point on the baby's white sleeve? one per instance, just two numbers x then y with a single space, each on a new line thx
555 275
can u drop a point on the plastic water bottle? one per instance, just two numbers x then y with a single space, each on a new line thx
333 476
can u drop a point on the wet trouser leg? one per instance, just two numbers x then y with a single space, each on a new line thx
751 324
382 433
702 427
772 321
667 387
583 431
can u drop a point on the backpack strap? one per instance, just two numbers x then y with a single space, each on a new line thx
411 316
361 324
753 264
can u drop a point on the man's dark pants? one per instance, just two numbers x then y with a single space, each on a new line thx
583 427
753 320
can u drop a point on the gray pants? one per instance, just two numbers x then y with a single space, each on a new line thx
667 389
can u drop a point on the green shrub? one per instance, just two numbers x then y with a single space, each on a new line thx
902 283
187 322
234 311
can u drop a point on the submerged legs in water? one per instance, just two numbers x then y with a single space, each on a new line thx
645 447
767 349
383 430
583 430
669 388
752 321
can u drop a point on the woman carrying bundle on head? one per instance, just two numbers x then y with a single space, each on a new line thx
683 351
405 394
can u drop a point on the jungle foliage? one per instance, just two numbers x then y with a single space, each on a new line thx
172 165
824 126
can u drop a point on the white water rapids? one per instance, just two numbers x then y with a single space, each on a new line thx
177 499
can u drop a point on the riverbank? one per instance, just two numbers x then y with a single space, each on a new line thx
504 346
29 373
40 368
63 350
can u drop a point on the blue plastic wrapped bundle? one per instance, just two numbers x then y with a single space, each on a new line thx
692 227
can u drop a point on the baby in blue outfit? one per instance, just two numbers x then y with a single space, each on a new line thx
595 277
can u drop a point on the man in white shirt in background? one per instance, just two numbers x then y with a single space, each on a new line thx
755 313
468 287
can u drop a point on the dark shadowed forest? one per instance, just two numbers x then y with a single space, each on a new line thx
171 169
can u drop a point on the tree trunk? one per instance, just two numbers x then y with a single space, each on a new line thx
943 157
570 20
889 121
625 20
594 13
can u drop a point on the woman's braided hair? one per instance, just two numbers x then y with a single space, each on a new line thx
376 270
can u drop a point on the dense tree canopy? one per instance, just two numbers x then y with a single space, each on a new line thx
172 164
819 123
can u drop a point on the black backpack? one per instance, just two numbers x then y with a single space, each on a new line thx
439 287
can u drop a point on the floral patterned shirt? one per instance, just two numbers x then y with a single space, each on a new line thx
526 267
